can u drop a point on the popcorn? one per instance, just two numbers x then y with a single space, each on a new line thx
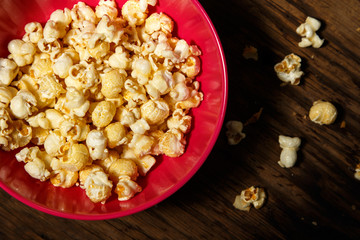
96 183
121 167
323 112
288 70
21 52
159 22
154 112
103 114
8 71
23 104
289 147
308 32
251 196
112 83
106 7
234 132
34 165
33 32
63 178
172 143
6 94
97 142
126 188
89 85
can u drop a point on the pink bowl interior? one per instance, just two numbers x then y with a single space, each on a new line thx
169 174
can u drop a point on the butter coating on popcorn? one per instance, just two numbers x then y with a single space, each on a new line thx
100 92
251 196
288 70
307 31
289 145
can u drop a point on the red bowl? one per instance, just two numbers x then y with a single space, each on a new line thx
169 174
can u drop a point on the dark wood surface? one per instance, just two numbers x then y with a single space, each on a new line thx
319 197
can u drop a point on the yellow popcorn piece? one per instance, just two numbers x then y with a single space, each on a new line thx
323 112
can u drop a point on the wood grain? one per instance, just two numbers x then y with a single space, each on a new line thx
319 197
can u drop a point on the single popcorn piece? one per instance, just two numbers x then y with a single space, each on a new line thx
252 196
289 145
234 132
96 183
8 71
126 188
288 70
307 31
23 104
323 112
6 94
97 142
63 178
33 32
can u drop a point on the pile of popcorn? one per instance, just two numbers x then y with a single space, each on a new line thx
98 94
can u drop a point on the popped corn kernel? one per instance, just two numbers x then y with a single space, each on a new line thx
289 147
97 142
234 132
103 114
288 70
122 167
21 52
323 112
23 104
307 31
126 188
115 134
64 178
8 71
172 143
97 185
252 196
155 111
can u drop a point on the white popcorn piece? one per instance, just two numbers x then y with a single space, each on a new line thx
252 196
126 188
6 123
159 22
288 70
8 71
74 129
75 103
21 52
191 67
33 32
35 161
6 94
53 30
54 143
75 158
144 164
323 112
62 65
134 13
55 118
23 104
234 132
141 70
162 83
39 120
106 7
140 126
82 76
179 120
81 13
141 144
289 145
308 32
96 183
97 142
119 59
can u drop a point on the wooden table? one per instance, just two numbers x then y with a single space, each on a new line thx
319 197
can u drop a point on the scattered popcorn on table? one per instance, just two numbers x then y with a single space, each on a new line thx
252 196
289 147
288 70
250 52
323 112
101 92
234 132
307 31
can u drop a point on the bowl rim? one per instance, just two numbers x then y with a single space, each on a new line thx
175 187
